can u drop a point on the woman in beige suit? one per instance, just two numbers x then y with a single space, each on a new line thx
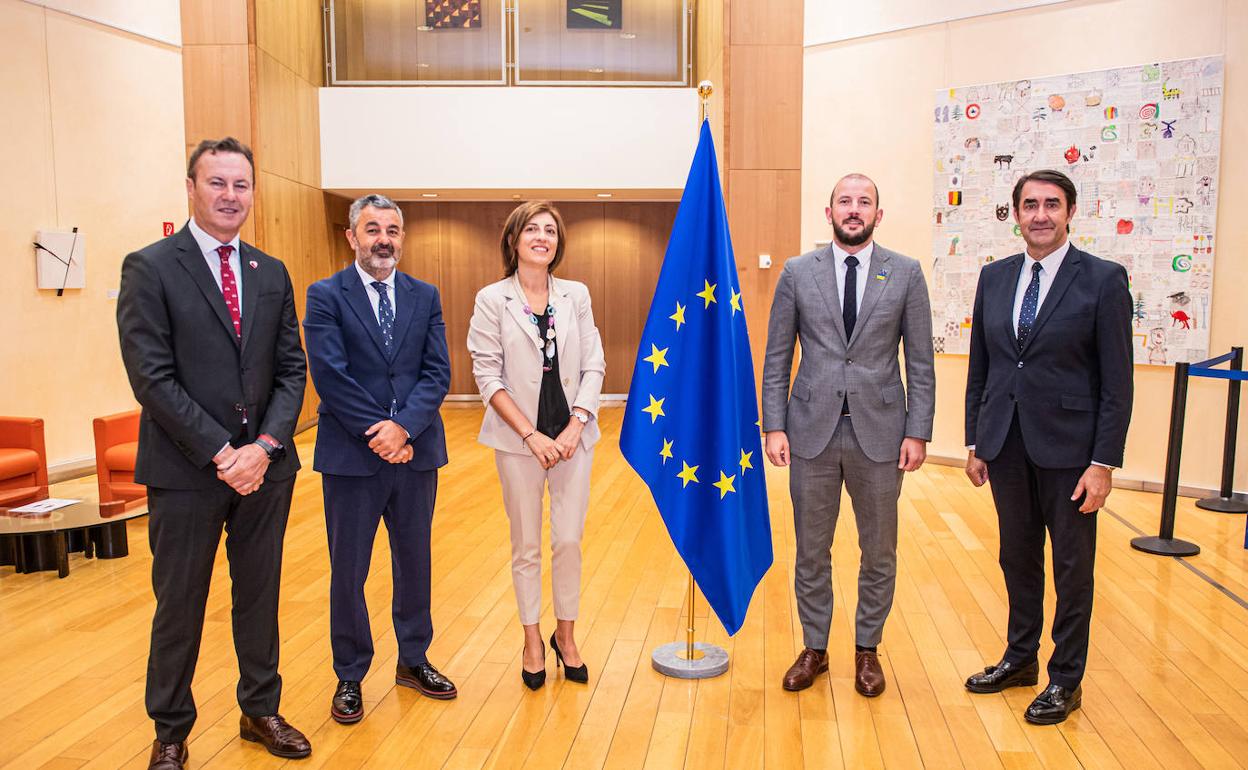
539 364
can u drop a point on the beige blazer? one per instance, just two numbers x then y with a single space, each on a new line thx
507 355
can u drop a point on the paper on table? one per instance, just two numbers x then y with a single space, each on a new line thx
44 506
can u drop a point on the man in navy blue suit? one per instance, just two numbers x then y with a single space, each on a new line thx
377 354
1048 402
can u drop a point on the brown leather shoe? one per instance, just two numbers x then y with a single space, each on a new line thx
276 734
802 673
168 756
868 676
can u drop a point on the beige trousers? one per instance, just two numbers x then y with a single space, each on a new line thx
524 483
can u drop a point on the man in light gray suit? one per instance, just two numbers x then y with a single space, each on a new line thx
848 417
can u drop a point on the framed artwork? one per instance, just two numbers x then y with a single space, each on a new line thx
1141 144
594 14
453 14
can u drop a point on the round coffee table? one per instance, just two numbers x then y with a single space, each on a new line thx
43 541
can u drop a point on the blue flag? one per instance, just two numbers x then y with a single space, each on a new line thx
691 426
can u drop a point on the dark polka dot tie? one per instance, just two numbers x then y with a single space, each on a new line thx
229 289
1031 300
385 314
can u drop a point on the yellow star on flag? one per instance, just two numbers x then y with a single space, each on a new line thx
656 357
687 474
655 410
708 294
736 302
678 316
666 451
724 485
744 462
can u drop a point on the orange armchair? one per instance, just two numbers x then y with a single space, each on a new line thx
116 445
23 461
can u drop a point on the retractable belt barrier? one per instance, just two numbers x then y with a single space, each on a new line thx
1165 544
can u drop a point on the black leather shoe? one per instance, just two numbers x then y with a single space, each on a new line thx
427 680
275 734
534 679
1004 675
571 673
1053 705
348 705
168 756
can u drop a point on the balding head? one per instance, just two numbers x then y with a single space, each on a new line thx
856 177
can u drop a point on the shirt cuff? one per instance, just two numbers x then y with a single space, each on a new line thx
1104 465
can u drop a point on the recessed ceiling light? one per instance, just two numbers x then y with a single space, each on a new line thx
516 196
428 195
597 70
424 28
627 35
604 195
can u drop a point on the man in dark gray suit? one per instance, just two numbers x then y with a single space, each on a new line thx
848 418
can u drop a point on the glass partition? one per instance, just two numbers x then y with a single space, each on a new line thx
509 42
617 42
417 42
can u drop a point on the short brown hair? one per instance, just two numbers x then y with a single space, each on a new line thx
516 221
214 146
1048 176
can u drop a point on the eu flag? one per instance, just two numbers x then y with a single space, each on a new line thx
691 426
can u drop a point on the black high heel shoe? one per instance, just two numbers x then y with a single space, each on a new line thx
534 679
573 674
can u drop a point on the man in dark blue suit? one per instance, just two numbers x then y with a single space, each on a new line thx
1048 402
377 354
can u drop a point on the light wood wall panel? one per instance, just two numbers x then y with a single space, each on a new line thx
217 92
765 106
616 249
214 22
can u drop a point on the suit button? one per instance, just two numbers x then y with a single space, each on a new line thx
849 360
1020 364
565 380
238 407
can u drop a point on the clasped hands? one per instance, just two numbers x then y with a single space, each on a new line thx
388 440
550 451
911 455
243 468
1094 485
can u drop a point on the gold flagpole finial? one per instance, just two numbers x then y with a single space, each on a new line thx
705 89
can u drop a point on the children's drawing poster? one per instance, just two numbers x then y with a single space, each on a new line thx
1141 145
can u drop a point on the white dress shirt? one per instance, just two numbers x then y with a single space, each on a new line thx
374 298
208 246
842 269
1048 270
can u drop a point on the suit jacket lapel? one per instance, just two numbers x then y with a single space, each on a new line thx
825 277
249 282
562 304
871 294
1006 295
1061 282
192 259
406 310
515 308
357 298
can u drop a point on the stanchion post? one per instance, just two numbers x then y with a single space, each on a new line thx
1225 502
1165 544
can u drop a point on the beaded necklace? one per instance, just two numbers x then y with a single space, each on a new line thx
549 351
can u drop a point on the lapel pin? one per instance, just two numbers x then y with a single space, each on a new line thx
254 264
881 275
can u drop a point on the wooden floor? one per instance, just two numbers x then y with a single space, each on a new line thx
1167 682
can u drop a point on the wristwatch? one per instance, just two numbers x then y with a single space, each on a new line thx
583 417
271 446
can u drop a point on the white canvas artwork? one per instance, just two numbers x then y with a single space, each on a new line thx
1142 146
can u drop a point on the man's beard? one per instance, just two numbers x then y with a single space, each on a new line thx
854 240
378 259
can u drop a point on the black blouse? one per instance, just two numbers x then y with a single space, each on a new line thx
552 406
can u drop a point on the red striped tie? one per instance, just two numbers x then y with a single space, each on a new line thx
229 288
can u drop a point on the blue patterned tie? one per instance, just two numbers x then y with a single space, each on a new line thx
385 314
1031 300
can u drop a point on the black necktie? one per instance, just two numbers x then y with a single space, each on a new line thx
1031 300
849 308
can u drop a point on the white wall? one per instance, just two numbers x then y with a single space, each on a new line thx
159 20
507 138
831 21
